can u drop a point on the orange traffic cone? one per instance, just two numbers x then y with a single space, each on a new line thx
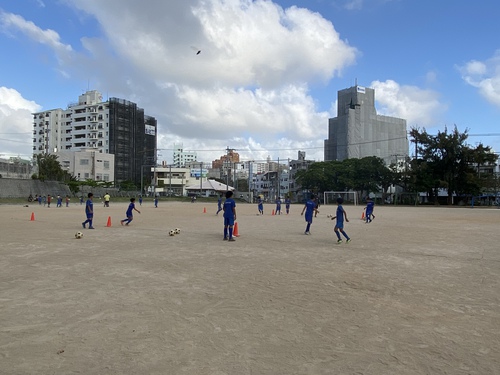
32 216
109 221
363 215
272 213
204 210
235 231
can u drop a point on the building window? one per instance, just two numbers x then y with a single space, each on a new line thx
84 161
87 175
106 164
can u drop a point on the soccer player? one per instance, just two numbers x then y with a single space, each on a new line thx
287 205
219 205
89 211
156 201
369 210
140 200
107 197
309 208
278 206
261 206
229 216
339 226
129 214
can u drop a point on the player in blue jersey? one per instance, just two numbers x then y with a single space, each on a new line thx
339 226
261 206
229 216
278 206
89 211
130 214
309 208
219 205
369 210
287 205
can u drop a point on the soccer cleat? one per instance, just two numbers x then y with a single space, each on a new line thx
347 241
225 238
83 225
307 233
91 228
339 241
231 239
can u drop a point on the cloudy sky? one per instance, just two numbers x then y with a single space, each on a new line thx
266 80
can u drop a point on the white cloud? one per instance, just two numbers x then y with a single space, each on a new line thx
353 5
16 123
417 106
48 37
249 83
247 89
485 76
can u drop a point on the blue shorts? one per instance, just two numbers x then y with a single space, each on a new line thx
339 225
309 218
90 216
229 221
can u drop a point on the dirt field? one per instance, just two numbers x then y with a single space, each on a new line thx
416 292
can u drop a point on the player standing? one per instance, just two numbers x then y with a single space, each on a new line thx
229 216
89 211
369 210
339 226
278 206
287 205
261 206
309 208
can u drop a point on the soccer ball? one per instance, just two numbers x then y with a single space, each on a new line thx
78 235
177 230
171 232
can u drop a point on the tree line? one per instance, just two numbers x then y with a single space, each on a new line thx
441 161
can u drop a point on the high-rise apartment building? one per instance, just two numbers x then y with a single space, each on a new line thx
358 131
116 127
181 157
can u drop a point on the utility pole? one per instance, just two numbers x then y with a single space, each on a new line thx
201 179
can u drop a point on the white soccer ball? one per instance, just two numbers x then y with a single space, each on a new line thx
177 230
78 235
171 232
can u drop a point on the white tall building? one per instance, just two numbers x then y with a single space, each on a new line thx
181 157
116 127
82 125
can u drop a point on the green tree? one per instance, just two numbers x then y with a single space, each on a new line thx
446 161
49 168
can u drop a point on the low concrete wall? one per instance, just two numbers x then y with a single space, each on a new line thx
22 188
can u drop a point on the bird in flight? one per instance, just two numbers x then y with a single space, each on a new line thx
198 51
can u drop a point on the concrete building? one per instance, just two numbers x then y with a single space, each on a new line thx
116 127
88 164
358 131
295 190
173 181
181 157
15 167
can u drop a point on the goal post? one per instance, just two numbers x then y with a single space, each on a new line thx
349 197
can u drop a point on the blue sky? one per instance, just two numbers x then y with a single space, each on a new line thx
266 81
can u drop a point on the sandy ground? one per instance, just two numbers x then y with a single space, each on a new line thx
416 292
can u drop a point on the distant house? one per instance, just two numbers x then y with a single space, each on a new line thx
208 188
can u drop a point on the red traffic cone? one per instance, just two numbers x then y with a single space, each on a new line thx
363 215
109 221
204 210
32 216
272 213
235 231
